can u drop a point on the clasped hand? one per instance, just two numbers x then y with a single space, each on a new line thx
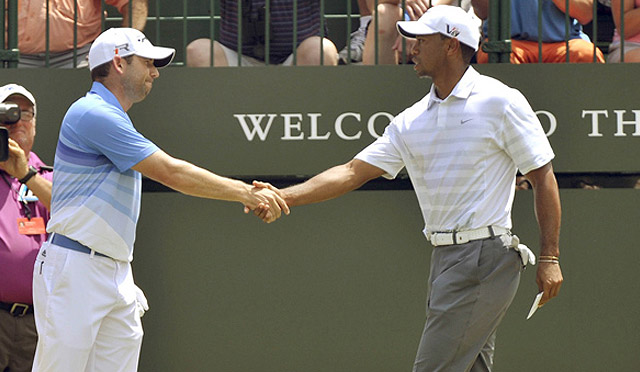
268 203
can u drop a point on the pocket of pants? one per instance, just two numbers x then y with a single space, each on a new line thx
50 265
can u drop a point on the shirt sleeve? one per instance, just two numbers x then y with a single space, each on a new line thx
523 138
112 134
384 152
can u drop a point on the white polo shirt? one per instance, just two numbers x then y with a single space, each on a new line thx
462 153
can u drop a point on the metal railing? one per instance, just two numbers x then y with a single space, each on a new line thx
163 24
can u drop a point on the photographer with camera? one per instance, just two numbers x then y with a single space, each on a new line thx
254 36
25 197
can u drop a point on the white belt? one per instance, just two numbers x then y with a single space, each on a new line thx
461 237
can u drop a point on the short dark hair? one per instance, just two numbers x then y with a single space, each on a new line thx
467 53
102 71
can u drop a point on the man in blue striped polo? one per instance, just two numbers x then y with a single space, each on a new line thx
84 294
462 145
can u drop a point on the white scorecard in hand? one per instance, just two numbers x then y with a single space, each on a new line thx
534 307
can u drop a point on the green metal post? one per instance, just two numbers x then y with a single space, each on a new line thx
375 28
185 15
595 29
267 32
505 29
567 22
75 34
295 32
212 31
13 30
349 10
158 21
621 31
494 27
321 32
239 39
540 31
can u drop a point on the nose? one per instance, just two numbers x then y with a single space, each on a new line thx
154 72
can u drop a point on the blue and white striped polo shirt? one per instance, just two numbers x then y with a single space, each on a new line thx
462 153
96 194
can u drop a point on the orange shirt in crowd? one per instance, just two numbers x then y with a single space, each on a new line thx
32 23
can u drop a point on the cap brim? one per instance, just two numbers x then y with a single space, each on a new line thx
161 56
412 29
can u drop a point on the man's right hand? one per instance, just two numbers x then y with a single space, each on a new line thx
269 203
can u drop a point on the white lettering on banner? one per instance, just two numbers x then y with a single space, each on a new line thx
620 122
314 128
371 124
349 126
289 124
595 114
620 132
553 123
256 120
346 126
338 126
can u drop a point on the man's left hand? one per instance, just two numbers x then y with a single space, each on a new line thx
17 165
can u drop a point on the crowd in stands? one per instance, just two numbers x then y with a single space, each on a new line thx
314 47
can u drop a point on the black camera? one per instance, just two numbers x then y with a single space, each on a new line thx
9 114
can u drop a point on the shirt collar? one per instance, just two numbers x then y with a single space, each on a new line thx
104 93
462 90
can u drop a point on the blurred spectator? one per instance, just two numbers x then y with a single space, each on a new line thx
254 36
32 28
356 45
389 41
25 195
631 31
524 31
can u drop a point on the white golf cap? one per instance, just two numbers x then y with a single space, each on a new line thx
125 42
11 89
451 21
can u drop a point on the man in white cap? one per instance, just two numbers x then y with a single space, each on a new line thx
84 294
25 195
462 145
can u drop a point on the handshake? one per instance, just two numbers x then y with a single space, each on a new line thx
266 201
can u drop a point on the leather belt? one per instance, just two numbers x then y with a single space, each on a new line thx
17 309
63 241
462 237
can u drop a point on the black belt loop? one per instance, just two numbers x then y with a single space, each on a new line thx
493 234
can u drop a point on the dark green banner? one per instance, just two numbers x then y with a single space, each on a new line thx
298 121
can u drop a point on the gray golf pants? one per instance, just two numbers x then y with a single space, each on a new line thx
470 289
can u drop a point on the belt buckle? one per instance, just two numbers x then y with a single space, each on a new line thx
15 310
439 238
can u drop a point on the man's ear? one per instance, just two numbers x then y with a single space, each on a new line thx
117 64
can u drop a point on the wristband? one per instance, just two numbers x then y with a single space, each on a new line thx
32 172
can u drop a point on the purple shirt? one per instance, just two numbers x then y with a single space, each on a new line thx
18 252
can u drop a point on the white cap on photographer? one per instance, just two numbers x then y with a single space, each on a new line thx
125 42
451 21
11 89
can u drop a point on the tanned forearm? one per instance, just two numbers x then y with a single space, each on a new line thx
548 213
139 10
582 10
331 183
